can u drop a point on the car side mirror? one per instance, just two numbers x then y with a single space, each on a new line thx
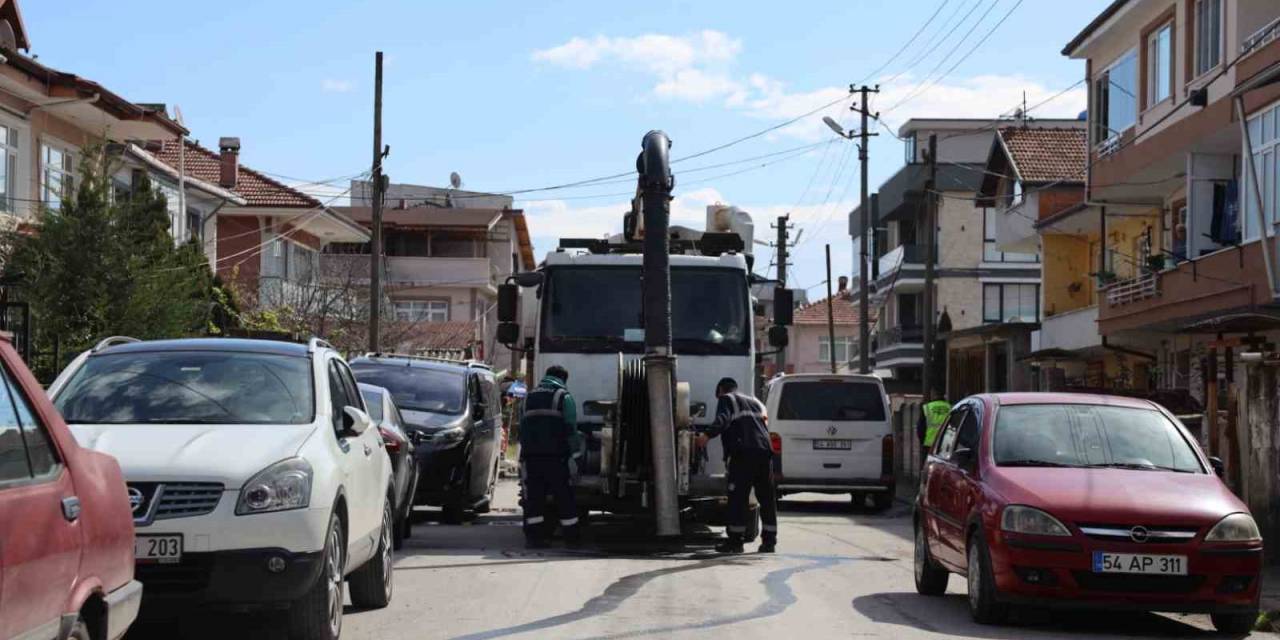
1219 467
355 421
964 457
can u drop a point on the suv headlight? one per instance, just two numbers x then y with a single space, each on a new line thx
1020 519
282 486
1237 527
449 436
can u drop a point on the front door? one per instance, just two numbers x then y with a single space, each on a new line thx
963 481
941 489
39 551
356 453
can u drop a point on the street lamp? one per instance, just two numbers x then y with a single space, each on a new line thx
835 126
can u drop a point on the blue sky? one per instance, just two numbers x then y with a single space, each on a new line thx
517 95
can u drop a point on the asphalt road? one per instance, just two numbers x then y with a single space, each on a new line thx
839 573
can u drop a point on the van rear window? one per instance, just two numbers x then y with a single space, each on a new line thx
830 401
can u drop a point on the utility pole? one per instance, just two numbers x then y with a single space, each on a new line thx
864 305
783 248
930 252
375 253
831 316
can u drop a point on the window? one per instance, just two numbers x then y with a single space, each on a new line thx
1160 64
1008 302
373 400
40 449
910 143
57 177
990 252
338 400
947 441
26 450
844 348
968 434
422 311
1264 137
195 230
1208 38
831 401
8 168
1115 96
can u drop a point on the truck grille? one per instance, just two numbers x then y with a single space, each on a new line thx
167 500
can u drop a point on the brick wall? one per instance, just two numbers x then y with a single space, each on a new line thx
240 237
1053 201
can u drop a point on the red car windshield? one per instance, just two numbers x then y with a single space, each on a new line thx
1080 435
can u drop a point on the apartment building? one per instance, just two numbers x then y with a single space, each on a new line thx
1184 104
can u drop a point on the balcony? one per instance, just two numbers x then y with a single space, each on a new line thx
902 269
899 346
1260 38
1132 290
1070 330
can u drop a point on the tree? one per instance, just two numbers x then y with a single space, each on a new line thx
105 263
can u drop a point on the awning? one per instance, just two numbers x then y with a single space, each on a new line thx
1242 322
1051 355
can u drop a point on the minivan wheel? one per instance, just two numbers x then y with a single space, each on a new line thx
882 500
1234 623
455 506
371 585
931 579
983 606
317 615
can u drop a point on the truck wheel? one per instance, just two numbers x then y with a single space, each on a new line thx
317 615
371 585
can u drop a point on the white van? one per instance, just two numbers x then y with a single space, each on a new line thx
836 436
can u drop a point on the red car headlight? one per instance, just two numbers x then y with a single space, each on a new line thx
1021 519
1237 527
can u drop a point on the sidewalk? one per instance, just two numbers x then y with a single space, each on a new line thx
1271 588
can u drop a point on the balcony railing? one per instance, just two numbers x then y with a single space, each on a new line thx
1133 289
1261 37
903 254
900 335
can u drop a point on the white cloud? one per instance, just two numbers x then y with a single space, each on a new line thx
331 85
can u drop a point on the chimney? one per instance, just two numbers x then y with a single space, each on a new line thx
844 283
229 149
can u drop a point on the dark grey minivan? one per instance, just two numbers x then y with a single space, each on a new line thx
452 412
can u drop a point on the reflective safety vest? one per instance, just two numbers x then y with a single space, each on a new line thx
935 414
543 431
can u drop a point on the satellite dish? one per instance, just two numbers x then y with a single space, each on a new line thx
455 180
8 39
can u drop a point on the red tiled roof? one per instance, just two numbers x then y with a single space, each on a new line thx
254 187
845 311
1047 154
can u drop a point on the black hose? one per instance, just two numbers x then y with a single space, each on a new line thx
656 183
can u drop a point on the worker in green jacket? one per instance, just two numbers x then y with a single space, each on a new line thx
933 415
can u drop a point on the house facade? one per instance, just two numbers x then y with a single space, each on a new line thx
1184 100
810 347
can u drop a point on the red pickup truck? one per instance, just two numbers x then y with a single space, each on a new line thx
66 526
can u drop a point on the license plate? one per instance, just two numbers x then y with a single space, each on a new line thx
166 549
833 444
1104 562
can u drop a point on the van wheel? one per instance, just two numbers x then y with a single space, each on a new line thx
881 501
317 615
371 585
80 631
455 507
857 500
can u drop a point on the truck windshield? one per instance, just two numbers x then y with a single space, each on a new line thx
599 310
190 387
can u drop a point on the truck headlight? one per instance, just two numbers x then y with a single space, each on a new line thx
1020 519
448 437
282 486
1237 527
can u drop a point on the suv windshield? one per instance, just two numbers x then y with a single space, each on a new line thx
830 401
599 309
190 387
1091 436
417 388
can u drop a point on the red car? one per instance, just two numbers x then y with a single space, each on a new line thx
1065 500
66 527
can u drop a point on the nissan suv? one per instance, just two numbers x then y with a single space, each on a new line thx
451 411
254 477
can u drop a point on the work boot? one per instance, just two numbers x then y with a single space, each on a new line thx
732 545
767 546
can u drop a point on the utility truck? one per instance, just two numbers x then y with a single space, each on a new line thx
646 322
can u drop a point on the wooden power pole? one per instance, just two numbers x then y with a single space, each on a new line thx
831 315
375 252
864 290
783 256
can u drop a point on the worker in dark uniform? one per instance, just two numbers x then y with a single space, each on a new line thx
743 426
548 446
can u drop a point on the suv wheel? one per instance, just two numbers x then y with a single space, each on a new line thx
317 615
371 584
983 605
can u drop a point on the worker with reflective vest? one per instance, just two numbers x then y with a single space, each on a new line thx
548 448
743 426
935 414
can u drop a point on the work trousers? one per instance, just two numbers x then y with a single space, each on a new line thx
752 470
542 476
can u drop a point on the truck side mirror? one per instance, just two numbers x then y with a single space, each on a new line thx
778 337
508 302
783 306
528 278
508 333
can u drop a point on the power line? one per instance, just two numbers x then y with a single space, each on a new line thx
931 83
937 42
907 44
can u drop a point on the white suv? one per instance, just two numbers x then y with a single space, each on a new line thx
254 478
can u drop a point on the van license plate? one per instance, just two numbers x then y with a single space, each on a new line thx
833 444
1104 562
165 549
